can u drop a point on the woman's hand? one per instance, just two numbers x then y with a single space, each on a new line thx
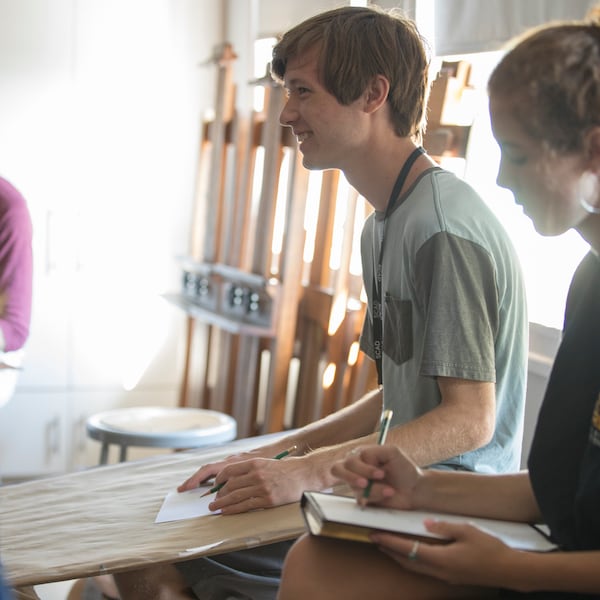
473 557
392 475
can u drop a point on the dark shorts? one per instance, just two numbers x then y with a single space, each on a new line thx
252 574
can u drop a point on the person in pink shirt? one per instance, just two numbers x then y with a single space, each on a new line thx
16 273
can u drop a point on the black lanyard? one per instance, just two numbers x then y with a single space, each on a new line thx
377 279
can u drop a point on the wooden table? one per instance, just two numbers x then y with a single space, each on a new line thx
101 520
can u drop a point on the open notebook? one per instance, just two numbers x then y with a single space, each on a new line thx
337 516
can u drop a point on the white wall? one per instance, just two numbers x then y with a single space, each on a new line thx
100 110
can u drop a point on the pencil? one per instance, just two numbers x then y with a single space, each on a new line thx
386 419
279 456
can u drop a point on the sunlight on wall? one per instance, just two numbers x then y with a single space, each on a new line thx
311 213
131 103
262 58
280 211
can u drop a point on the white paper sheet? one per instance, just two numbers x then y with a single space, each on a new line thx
178 506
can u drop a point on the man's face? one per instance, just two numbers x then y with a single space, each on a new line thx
327 131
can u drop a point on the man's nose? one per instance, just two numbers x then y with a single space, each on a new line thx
288 114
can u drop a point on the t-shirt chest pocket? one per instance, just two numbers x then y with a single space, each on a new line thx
397 330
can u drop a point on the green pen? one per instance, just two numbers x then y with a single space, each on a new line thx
279 456
386 419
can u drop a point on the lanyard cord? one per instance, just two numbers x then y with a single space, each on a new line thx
377 279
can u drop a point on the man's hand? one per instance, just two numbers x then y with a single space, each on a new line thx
210 470
259 483
252 480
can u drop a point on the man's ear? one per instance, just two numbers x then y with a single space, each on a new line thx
376 94
591 144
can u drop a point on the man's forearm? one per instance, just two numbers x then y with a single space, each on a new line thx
338 429
433 438
329 439
463 421
352 422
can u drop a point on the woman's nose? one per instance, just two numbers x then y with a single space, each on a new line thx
502 178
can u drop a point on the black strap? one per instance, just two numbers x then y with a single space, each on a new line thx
377 279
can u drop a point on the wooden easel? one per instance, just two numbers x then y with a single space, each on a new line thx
445 135
250 311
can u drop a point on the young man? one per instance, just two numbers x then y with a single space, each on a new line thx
544 114
446 320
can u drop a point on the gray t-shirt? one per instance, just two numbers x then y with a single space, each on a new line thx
454 305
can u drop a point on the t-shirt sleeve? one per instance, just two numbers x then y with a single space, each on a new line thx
456 286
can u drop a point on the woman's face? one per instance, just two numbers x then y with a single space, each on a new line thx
547 185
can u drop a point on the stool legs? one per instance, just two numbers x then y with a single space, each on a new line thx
104 453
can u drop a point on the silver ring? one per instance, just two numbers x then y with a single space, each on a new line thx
412 555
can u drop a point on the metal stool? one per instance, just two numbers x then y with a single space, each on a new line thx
158 427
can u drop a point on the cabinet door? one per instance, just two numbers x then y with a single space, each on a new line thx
33 435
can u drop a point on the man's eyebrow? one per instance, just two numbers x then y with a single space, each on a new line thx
295 82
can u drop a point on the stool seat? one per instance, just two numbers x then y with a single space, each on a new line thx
159 427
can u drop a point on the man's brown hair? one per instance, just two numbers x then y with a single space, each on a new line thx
354 45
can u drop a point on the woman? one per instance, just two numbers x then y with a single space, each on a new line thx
545 111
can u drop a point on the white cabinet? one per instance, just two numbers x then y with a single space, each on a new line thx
33 435
44 433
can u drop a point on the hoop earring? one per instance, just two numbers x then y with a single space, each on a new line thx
588 188
590 208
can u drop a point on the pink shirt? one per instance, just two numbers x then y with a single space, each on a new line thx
16 267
